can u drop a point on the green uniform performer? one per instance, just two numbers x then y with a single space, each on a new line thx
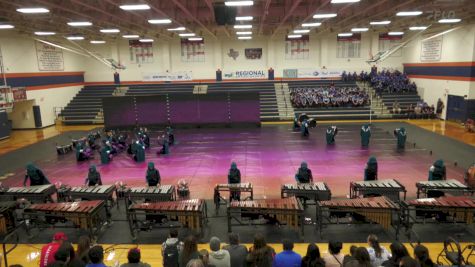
437 171
371 170
365 134
139 152
304 174
93 177
330 135
35 175
234 177
152 175
401 135
105 155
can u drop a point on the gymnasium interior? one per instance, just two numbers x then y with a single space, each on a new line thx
343 127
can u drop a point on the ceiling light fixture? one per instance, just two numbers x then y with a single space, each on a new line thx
395 33
159 21
359 29
344 1
32 10
186 34
6 26
45 33
345 34
195 39
79 23
244 37
176 29
449 20
324 16
110 30
146 40
75 38
408 13
135 7
418 28
244 18
301 31
243 33
130 36
242 26
311 24
239 3
383 22
97 42
292 36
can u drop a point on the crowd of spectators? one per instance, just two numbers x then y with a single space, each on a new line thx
305 97
176 253
391 82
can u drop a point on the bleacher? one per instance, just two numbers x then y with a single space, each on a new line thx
86 105
332 113
404 99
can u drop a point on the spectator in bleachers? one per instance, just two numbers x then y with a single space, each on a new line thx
287 258
398 251
134 259
392 82
218 257
204 259
189 252
334 257
377 253
421 254
409 262
96 255
313 258
171 249
328 97
396 107
237 251
82 251
371 170
260 254
351 256
49 250
437 171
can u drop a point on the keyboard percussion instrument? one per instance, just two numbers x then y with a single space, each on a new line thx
241 188
451 186
390 188
149 193
34 194
313 191
287 211
7 217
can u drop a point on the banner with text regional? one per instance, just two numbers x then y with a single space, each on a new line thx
167 76
245 74
318 73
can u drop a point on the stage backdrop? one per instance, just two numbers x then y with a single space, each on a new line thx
182 109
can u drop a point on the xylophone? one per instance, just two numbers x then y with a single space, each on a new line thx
231 188
7 217
98 192
191 213
453 209
451 186
380 210
149 193
289 211
87 215
390 188
314 191
34 194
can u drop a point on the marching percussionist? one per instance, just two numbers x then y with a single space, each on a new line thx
139 155
304 128
437 171
35 175
152 175
105 155
330 134
401 136
234 177
93 177
365 134
165 142
296 122
171 136
83 152
371 170
304 174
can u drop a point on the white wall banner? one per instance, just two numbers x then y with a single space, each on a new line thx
318 73
245 74
50 58
431 49
167 76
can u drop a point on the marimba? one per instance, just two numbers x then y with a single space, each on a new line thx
191 213
315 191
453 209
380 210
7 217
389 188
242 188
150 193
34 194
451 186
97 192
287 211
87 215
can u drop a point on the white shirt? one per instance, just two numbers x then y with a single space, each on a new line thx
385 255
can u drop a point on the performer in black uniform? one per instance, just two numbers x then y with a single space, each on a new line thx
35 175
371 170
304 174
153 176
234 177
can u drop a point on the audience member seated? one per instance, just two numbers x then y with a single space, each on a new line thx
361 258
421 253
351 256
237 251
189 252
396 107
65 256
334 257
408 262
306 97
287 258
392 82
218 257
96 255
196 263
49 250
171 249
377 253
204 259
313 258
398 251
82 251
134 259
260 254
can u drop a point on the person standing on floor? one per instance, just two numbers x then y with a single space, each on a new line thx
287 258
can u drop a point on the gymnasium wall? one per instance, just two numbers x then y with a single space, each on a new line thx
47 89
167 56
454 74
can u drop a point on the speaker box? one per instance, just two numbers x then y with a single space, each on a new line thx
224 15
37 116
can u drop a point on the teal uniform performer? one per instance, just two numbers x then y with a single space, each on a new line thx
437 171
35 175
152 175
93 177
304 174
365 134
401 136
371 170
330 134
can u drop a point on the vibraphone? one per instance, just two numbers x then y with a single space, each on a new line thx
231 188
150 193
191 213
97 192
7 217
287 211
380 210
314 191
34 194
389 188
451 186
87 215
453 209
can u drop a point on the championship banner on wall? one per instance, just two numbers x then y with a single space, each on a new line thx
49 58
140 53
167 76
19 94
253 53
297 48
431 49
348 46
387 42
245 74
192 51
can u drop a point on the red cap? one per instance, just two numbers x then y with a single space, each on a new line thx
60 236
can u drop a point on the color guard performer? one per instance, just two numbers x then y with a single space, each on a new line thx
330 134
401 135
365 134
